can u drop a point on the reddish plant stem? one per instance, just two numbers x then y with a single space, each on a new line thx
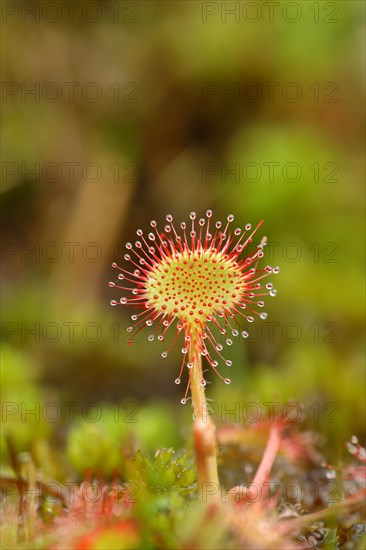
269 456
243 494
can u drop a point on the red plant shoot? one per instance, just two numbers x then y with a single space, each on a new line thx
197 278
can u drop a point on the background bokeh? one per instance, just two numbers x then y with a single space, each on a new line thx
140 109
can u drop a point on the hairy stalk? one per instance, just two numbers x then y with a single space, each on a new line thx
204 430
197 388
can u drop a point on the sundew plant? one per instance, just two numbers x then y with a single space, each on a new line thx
195 279
199 276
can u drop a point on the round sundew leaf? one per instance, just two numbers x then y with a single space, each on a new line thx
197 283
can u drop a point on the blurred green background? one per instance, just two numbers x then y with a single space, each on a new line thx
140 109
